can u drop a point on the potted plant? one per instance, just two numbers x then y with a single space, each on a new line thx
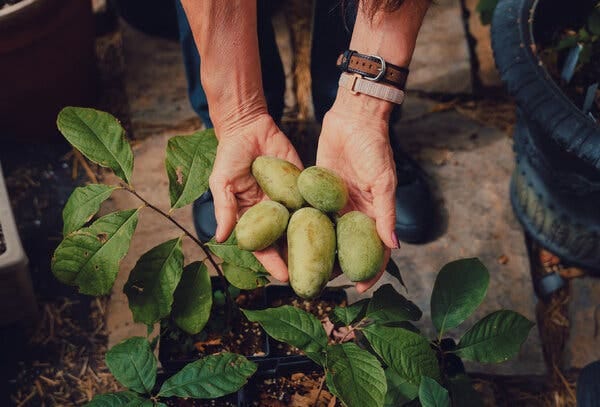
47 60
547 55
377 357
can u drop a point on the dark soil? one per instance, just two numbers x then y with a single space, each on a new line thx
296 389
241 336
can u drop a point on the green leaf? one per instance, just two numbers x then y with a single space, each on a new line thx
459 288
193 299
495 338
120 399
153 280
408 353
388 306
100 137
293 326
189 163
350 314
432 394
211 377
393 269
355 376
89 258
462 392
243 278
133 364
399 391
486 10
230 253
84 203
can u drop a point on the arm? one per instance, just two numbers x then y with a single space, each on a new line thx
354 139
225 33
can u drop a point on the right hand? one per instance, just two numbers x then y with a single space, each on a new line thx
233 187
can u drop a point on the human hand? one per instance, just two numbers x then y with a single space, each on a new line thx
233 187
354 143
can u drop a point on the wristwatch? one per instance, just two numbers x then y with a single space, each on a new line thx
373 68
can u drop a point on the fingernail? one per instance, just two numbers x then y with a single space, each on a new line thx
395 240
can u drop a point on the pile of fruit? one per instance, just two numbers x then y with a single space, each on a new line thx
313 196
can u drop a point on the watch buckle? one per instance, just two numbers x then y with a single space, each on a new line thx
382 70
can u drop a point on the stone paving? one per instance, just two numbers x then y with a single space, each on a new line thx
469 165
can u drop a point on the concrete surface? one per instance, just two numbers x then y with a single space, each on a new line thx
441 61
155 85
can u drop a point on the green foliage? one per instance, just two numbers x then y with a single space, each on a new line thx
294 326
230 253
432 394
189 163
89 258
153 280
355 376
244 278
350 314
495 338
211 377
98 136
389 306
406 352
84 203
193 299
459 288
399 390
462 392
133 364
120 399
394 271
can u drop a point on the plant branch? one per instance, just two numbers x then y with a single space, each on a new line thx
188 234
320 389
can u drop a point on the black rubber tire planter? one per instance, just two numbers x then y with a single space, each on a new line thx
555 189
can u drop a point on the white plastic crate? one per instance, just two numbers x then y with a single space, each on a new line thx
17 301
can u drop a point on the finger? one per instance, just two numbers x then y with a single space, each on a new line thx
273 262
384 208
363 286
225 208
281 147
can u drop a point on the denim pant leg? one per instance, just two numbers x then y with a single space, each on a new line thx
332 32
272 68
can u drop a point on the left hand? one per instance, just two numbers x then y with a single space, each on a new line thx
354 142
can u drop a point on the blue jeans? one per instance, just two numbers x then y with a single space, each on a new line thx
332 37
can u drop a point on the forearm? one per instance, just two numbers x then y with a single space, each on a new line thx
226 37
391 35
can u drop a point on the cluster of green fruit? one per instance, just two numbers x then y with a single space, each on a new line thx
312 238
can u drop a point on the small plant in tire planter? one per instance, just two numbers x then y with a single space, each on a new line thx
547 55
399 364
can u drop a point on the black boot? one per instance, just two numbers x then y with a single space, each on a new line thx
415 211
588 386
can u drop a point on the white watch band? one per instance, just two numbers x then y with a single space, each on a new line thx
356 84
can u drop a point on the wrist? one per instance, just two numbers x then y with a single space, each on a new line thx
359 104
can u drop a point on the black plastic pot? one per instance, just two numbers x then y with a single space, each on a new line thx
555 190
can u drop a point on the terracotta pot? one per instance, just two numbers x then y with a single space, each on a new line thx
47 61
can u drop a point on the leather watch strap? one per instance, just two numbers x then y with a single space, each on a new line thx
356 84
373 67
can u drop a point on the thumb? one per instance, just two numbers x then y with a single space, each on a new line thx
225 208
384 208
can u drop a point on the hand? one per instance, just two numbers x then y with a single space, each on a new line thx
233 187
354 143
